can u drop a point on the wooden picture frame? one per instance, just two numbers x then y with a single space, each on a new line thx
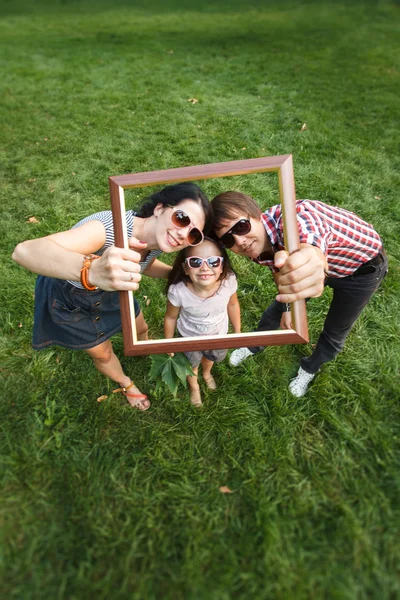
283 165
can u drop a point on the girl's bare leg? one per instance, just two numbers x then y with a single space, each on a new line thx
107 363
141 328
195 397
208 378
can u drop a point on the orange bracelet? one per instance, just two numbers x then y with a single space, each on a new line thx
87 261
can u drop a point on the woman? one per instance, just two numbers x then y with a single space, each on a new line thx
76 304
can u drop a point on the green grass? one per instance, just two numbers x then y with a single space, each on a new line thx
98 500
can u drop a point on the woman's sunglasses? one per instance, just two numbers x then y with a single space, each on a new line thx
195 262
181 220
242 227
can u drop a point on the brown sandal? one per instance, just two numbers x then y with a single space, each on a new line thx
137 398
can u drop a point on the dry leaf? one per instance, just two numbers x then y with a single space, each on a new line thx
170 52
304 127
225 490
193 100
31 180
20 325
102 398
46 139
377 197
148 301
244 148
32 220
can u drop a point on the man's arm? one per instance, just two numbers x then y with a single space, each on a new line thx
302 274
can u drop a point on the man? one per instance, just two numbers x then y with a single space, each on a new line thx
337 249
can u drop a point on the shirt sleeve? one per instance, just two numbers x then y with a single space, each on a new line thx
313 229
174 297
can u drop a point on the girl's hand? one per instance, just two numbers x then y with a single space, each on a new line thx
286 320
118 269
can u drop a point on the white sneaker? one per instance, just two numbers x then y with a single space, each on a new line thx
238 356
299 385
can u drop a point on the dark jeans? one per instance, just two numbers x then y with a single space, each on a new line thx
350 296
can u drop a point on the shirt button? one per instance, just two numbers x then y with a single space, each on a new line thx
96 319
97 304
100 334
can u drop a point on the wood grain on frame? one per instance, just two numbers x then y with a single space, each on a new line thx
283 165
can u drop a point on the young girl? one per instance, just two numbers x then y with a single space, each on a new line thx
202 293
76 299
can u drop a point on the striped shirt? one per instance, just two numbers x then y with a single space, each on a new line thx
106 218
346 240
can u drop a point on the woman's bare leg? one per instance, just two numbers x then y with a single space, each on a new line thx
108 364
195 397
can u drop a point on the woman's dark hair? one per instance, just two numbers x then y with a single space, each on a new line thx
172 195
178 274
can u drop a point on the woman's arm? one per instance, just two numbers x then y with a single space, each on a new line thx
60 255
158 269
234 313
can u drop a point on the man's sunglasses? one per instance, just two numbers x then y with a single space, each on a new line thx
242 227
195 262
181 220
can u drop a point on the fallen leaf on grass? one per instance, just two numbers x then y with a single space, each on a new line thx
377 197
32 220
193 100
170 52
31 180
19 325
304 127
225 490
102 398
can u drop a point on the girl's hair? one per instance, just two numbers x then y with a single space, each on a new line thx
178 274
172 195
229 205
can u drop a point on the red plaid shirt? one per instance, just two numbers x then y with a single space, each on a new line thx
346 240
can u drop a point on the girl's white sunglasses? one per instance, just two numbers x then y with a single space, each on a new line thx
196 262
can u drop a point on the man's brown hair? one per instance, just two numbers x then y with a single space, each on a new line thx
229 205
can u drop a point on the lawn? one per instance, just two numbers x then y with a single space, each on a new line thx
100 501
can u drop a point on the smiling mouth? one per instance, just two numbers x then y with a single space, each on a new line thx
247 248
172 241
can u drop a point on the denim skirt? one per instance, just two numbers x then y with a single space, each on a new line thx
73 318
